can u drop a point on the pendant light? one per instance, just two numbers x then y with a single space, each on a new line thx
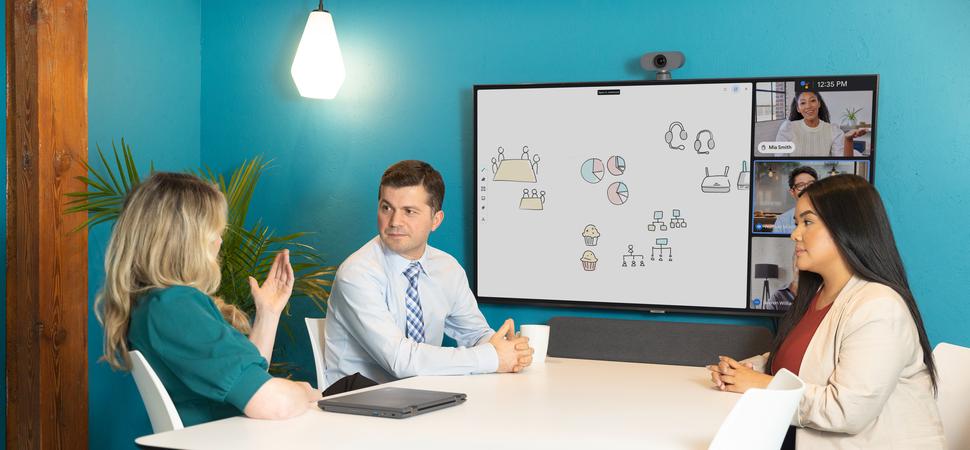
318 68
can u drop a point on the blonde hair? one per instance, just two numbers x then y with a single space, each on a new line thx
163 237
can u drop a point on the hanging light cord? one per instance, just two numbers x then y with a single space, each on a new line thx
320 8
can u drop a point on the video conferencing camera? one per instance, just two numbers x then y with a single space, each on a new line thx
662 63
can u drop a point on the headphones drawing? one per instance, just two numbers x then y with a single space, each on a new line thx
669 137
710 142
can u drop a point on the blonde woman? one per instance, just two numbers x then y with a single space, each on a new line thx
161 270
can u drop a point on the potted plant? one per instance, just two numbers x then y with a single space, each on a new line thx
850 119
245 250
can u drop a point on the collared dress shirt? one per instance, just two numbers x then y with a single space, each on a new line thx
365 329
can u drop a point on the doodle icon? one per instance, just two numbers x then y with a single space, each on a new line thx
716 184
662 245
699 145
677 221
618 193
744 178
522 170
616 165
591 235
669 136
532 201
589 261
630 259
658 222
592 170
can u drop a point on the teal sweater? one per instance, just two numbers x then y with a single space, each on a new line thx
209 368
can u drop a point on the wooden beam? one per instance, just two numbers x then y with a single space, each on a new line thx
47 290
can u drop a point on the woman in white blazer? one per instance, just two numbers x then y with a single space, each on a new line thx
854 333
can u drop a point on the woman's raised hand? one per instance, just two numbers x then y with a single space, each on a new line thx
271 297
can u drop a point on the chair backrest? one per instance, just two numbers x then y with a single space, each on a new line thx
655 342
952 365
316 328
761 417
161 410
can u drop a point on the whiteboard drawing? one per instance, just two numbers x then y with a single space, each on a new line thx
616 165
699 146
658 222
591 235
618 193
744 178
715 184
532 200
657 251
496 160
631 259
521 170
669 137
676 221
592 170
589 261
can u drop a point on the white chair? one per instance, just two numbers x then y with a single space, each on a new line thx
316 328
760 418
952 365
161 410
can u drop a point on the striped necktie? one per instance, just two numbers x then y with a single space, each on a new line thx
414 328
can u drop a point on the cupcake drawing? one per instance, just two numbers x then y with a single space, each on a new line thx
591 235
589 261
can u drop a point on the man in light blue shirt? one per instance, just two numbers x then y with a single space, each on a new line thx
394 298
799 179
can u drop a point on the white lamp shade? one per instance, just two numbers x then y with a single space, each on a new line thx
318 68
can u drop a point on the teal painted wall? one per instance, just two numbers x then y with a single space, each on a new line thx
143 85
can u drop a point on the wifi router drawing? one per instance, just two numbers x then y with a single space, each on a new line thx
716 184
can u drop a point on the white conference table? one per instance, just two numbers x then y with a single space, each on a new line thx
564 403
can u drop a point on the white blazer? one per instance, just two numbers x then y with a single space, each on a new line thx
866 385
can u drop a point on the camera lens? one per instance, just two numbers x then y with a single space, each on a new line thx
659 61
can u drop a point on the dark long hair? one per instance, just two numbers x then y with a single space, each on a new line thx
854 215
823 111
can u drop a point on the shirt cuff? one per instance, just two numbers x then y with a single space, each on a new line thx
487 357
246 386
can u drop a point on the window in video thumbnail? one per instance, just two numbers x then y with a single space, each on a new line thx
809 120
774 277
777 184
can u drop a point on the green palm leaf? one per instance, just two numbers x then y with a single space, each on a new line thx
246 251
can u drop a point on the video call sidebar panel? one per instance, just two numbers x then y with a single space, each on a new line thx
814 127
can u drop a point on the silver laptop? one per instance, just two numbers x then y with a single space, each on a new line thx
393 402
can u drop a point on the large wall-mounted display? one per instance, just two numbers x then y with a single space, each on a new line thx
656 195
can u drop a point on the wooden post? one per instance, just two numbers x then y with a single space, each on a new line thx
47 289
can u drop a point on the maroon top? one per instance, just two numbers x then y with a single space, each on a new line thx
792 350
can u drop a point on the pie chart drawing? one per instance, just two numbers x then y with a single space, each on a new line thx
592 170
617 193
616 165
